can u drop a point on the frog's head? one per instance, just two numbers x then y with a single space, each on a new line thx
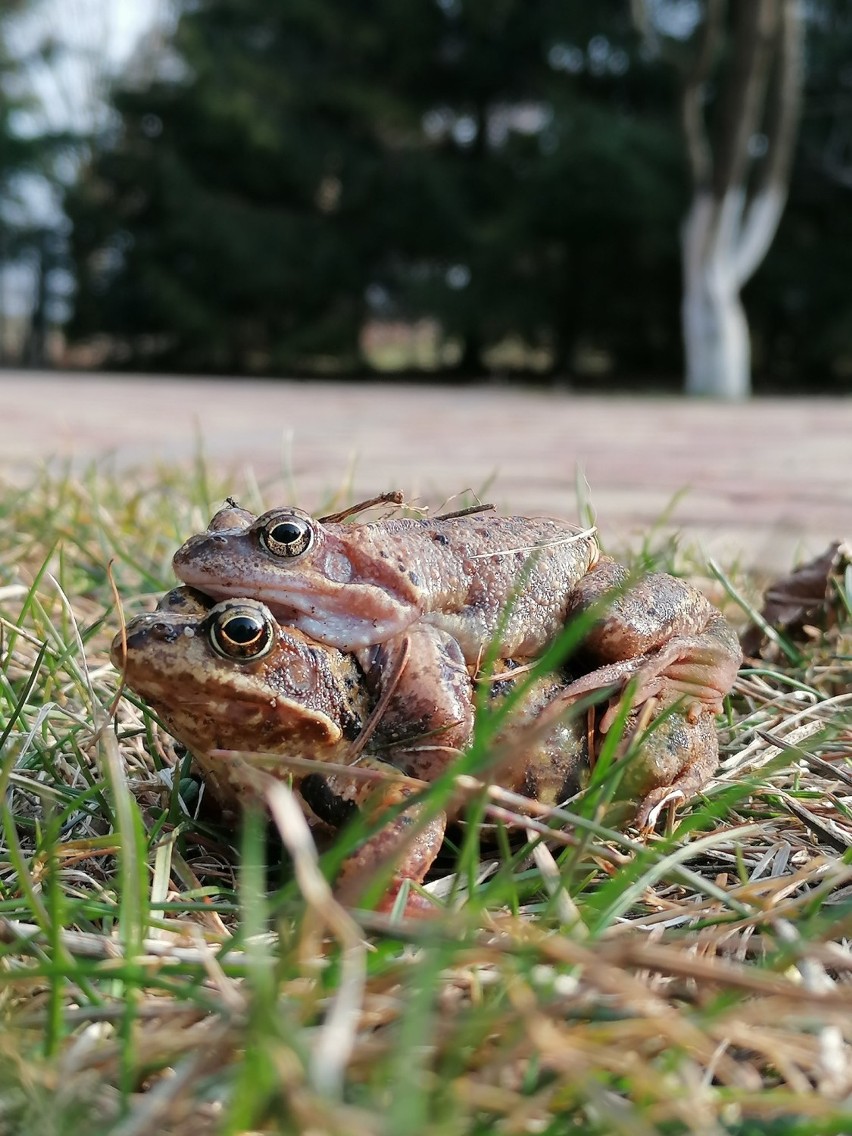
228 676
276 558
326 580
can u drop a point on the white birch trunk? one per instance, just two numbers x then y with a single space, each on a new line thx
735 210
715 330
716 341
723 242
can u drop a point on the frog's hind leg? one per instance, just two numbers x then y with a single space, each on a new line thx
662 633
676 757
662 758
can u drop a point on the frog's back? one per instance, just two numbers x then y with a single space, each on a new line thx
469 571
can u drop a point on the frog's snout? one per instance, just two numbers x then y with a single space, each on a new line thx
142 633
116 653
201 558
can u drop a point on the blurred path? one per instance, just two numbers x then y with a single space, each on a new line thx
767 482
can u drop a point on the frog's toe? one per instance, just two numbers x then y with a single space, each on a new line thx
417 905
683 788
686 670
652 806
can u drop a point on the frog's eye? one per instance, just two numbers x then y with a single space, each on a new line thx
287 536
242 634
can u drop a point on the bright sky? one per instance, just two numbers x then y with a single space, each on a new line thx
93 38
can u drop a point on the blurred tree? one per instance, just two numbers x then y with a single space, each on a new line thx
740 100
288 172
541 179
40 131
18 155
277 177
228 220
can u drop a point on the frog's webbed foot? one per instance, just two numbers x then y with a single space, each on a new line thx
651 808
674 757
402 850
683 788
684 668
662 634
698 669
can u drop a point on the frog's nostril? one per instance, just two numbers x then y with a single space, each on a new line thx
215 538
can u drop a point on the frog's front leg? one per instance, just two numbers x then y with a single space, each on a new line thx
661 633
407 844
425 699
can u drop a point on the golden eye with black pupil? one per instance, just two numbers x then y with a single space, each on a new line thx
242 634
287 536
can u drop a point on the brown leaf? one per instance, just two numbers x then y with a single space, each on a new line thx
807 598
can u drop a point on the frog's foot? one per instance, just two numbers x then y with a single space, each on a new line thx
651 808
405 842
697 669
674 758
659 632
683 788
403 849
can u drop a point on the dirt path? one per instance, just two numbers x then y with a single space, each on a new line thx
768 481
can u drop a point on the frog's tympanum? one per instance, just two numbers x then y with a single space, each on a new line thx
478 579
230 676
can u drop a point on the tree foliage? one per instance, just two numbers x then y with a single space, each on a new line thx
34 165
511 171
317 164
18 155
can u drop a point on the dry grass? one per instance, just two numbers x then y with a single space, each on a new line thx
156 979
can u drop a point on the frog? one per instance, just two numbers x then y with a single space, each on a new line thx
491 582
230 676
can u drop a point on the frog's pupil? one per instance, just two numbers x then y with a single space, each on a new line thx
242 630
287 532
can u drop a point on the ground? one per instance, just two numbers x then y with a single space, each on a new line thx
157 977
761 483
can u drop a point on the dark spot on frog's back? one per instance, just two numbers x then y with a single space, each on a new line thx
439 538
414 578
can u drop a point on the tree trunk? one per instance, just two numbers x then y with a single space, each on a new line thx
740 170
715 330
737 203
35 350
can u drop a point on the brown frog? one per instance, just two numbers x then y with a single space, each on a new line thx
479 579
230 677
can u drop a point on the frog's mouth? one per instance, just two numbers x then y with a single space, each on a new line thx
348 616
351 617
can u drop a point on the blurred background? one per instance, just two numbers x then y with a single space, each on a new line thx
623 195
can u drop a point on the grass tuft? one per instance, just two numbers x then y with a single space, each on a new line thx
162 972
